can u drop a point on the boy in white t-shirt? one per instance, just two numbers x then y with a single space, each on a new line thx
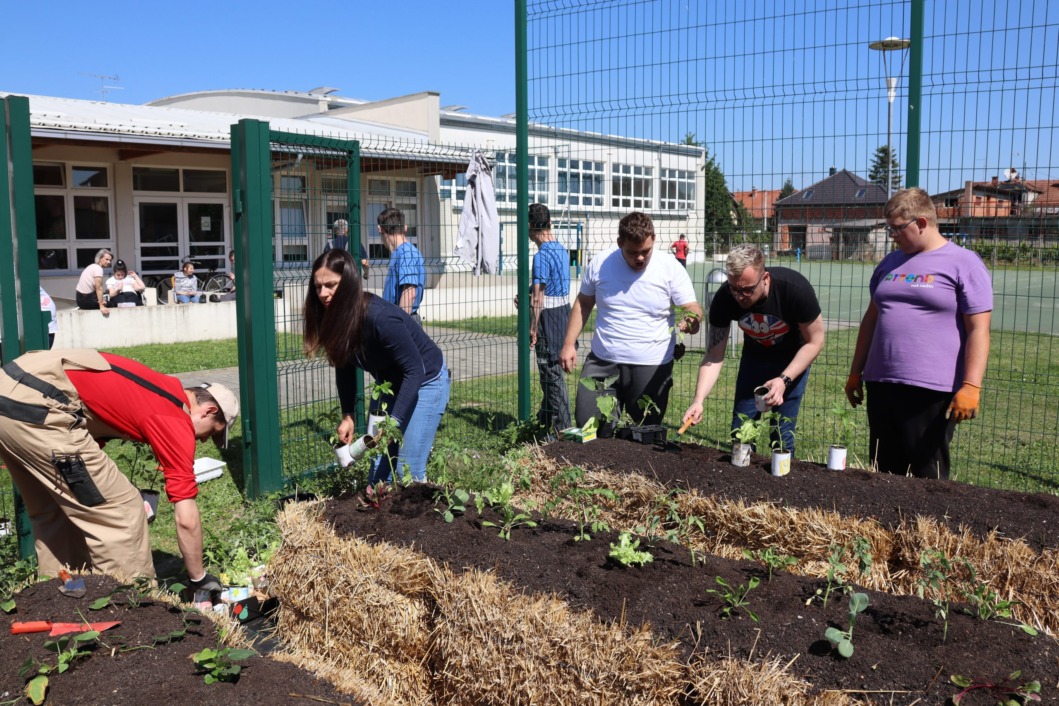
635 291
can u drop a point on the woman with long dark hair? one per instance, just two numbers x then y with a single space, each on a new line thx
357 329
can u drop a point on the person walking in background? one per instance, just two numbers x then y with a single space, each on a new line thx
680 250
358 330
783 333
124 287
923 343
634 337
340 240
89 290
405 277
61 406
549 317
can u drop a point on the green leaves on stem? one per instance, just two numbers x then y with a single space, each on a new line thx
626 553
735 597
842 640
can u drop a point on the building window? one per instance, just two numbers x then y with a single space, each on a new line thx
459 185
678 190
807 194
174 180
860 193
402 194
75 221
505 178
580 182
630 186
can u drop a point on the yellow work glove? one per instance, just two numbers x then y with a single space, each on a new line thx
854 392
965 403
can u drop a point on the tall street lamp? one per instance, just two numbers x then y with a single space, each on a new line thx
887 45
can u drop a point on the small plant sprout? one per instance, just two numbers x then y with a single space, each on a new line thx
647 406
937 573
220 664
749 431
626 551
374 495
453 501
861 551
842 640
606 403
835 570
1008 692
846 423
569 486
499 500
771 559
735 597
984 601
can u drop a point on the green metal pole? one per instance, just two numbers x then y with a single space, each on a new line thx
355 230
9 294
522 176
915 94
256 325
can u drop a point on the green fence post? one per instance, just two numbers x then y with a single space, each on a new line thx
915 94
355 230
256 327
522 177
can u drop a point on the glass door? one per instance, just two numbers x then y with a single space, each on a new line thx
206 234
158 228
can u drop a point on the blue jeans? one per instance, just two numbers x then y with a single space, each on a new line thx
189 298
755 372
418 434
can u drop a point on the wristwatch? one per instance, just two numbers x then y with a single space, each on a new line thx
786 382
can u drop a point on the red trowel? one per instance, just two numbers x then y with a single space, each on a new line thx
59 628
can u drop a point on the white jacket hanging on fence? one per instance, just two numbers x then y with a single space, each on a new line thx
478 236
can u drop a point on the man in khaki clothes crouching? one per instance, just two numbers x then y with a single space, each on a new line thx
57 410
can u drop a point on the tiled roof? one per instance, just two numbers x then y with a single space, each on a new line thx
841 189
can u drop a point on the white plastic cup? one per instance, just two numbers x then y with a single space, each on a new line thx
781 463
760 393
374 420
740 454
344 454
836 458
360 447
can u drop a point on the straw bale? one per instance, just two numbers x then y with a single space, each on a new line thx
727 681
353 612
495 645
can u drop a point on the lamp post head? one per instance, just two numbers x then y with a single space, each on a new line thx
890 44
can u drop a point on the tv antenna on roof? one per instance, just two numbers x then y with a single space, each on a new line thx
104 89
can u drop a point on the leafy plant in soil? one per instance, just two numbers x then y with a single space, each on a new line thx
220 664
842 640
499 501
452 501
568 487
735 597
771 559
606 402
375 495
1008 692
134 594
626 551
68 648
937 574
984 601
749 430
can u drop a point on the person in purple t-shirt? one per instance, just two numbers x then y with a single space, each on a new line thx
923 342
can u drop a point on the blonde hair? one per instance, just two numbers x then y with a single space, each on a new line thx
743 256
911 203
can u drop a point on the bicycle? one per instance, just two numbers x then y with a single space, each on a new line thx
213 283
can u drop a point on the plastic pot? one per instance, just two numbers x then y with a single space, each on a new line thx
781 463
741 454
836 458
647 434
760 393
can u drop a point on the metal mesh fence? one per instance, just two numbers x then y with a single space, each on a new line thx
782 123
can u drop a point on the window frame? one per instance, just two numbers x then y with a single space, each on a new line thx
70 244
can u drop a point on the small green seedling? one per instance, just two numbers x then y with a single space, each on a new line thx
375 495
735 597
937 574
748 431
454 501
8 606
1008 691
499 499
220 665
771 559
842 640
569 486
626 552
606 403
985 602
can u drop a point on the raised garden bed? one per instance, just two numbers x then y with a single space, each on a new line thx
144 660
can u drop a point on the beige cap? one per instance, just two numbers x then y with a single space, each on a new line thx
229 405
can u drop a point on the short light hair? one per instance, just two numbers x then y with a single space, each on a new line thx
340 227
636 228
743 256
101 252
911 203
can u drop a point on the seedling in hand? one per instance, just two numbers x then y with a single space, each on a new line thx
842 640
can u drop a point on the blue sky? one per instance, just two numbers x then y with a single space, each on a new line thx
776 89
369 50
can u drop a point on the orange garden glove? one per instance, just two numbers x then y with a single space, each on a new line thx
965 403
854 392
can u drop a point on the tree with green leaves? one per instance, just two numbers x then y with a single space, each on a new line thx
883 158
718 211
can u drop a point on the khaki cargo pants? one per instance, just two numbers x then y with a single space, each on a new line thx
40 415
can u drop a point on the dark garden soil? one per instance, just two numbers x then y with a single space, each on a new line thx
117 672
902 655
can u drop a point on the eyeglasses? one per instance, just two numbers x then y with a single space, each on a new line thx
894 230
747 291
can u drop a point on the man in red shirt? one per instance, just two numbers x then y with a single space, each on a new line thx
680 250
57 410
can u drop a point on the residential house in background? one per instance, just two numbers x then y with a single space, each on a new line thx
1015 209
839 217
760 204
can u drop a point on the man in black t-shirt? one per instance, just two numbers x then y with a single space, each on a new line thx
783 333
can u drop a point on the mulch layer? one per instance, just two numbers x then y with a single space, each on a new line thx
902 653
127 666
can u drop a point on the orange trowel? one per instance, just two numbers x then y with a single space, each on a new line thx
53 629
72 587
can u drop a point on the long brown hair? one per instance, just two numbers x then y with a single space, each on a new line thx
336 328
